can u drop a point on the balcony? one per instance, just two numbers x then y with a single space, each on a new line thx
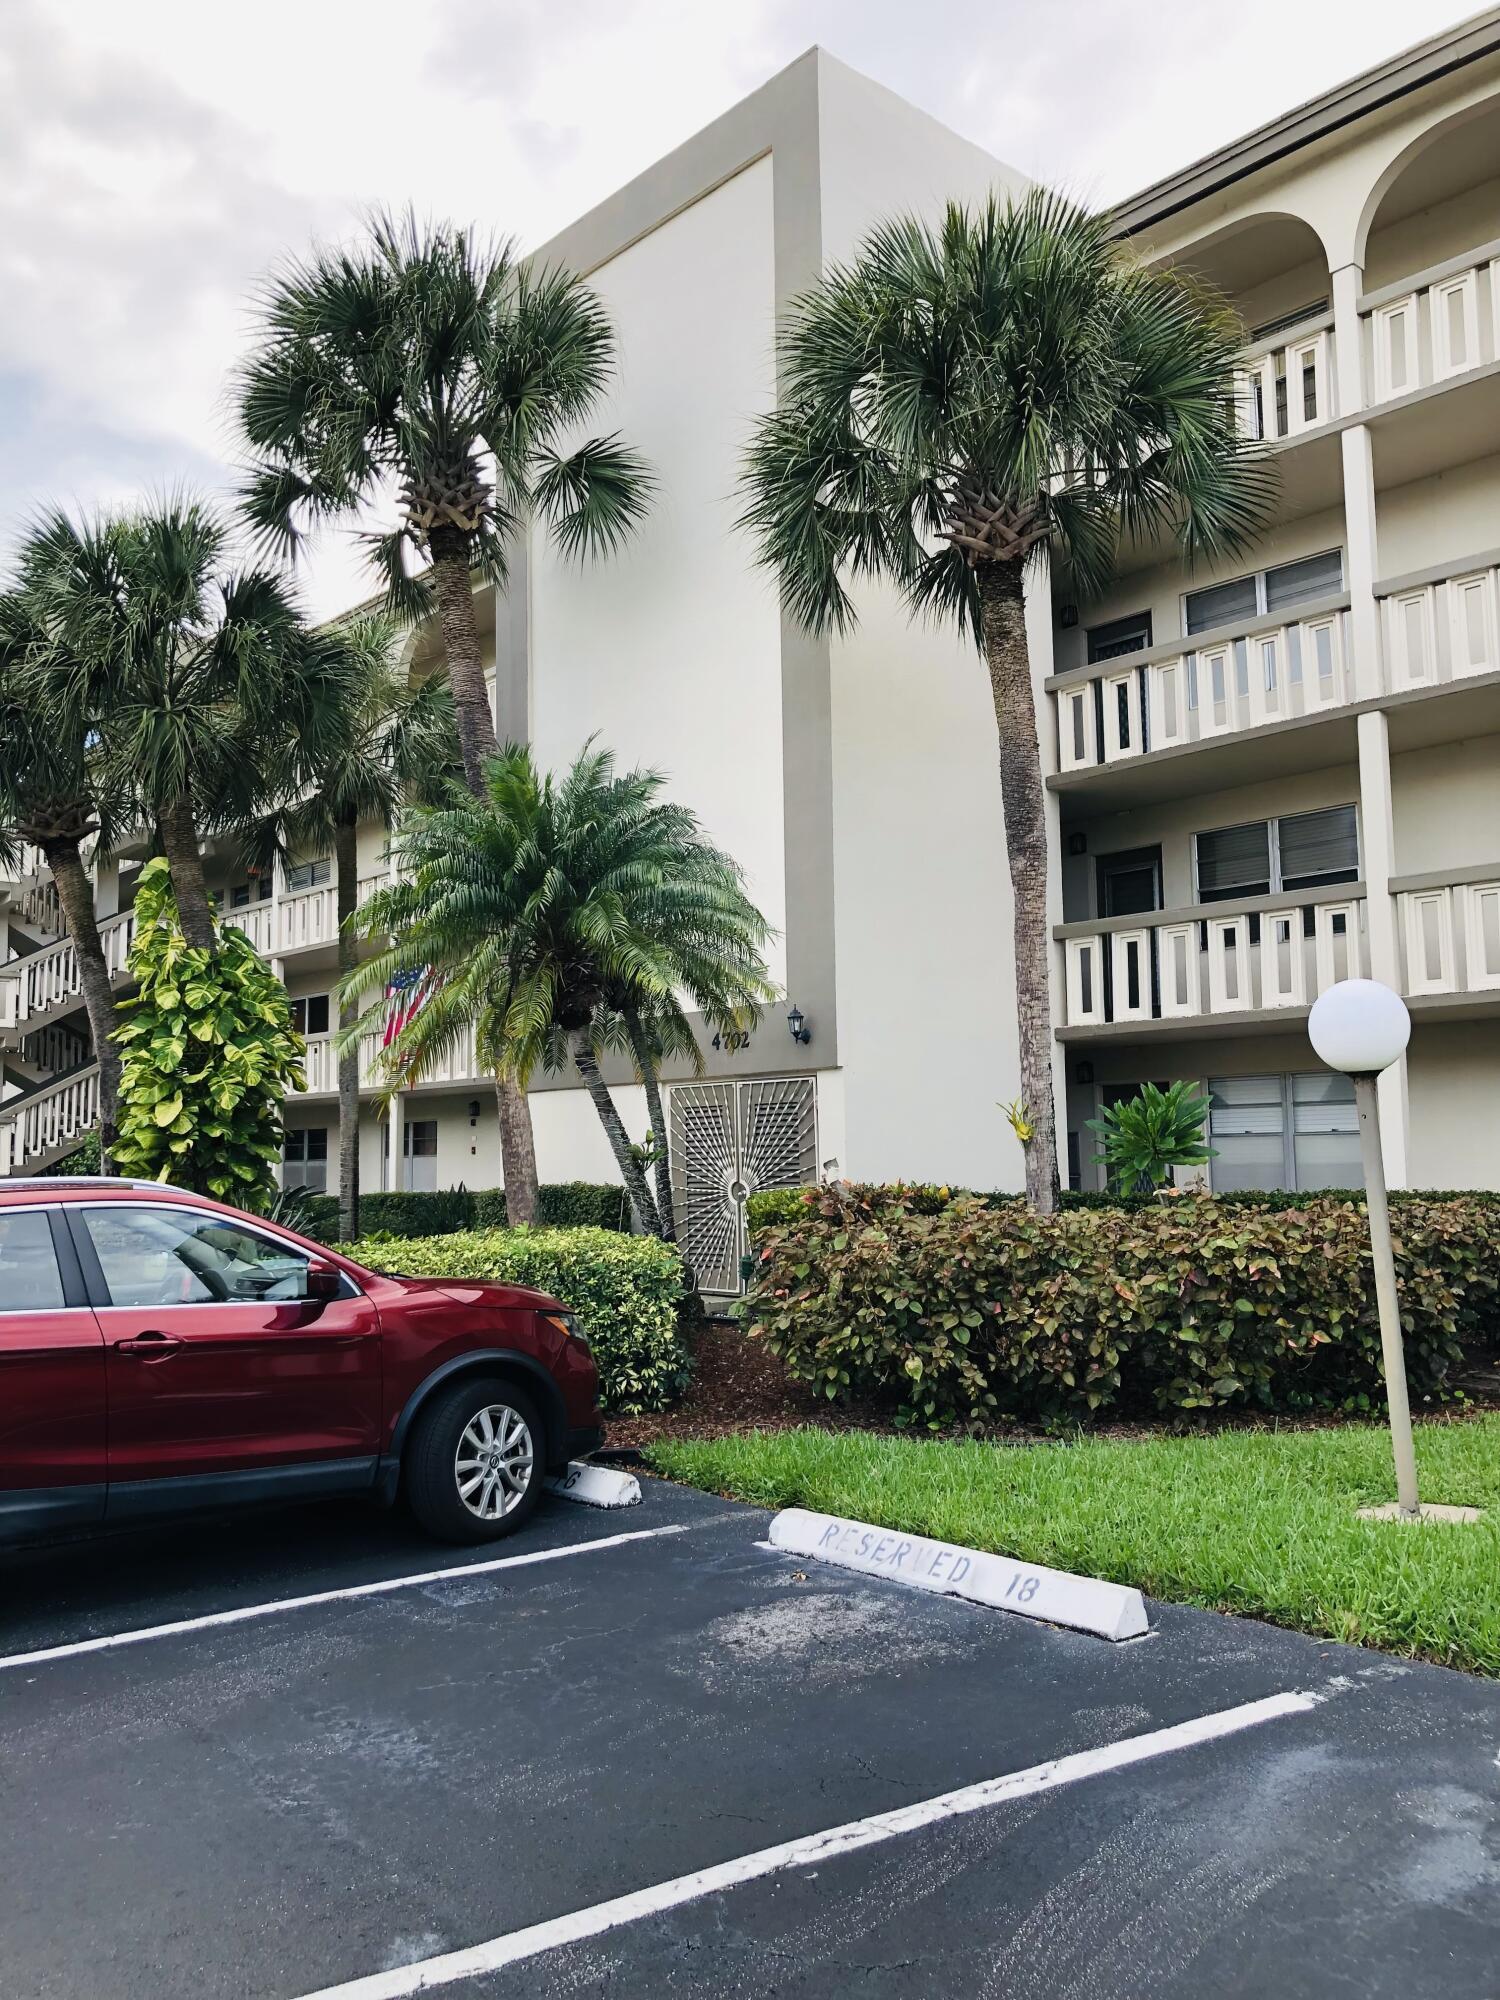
1449 931
40 1127
1263 961
1442 625
1231 687
1431 327
458 1066
1285 386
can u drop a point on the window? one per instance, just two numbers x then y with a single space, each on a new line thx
172 1257
1266 857
304 1157
1268 590
310 1014
1298 1132
256 890
1120 636
29 1277
309 874
1284 322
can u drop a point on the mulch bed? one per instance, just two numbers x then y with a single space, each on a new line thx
738 1386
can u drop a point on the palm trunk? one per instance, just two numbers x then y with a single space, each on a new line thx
179 840
517 1154
471 698
346 862
1003 619
76 894
450 548
614 1131
645 1062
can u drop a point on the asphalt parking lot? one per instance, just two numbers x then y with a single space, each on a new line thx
340 1795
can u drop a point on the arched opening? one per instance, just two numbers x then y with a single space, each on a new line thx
1439 200
1272 267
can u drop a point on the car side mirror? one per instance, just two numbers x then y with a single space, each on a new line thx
323 1279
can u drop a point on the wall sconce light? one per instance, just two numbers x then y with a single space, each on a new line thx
473 1111
796 1022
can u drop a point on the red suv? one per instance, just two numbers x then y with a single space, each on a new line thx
161 1353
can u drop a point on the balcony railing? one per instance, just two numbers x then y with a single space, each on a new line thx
1217 684
1433 325
1450 933
1286 387
322 1068
307 917
41 1127
1268 953
47 982
1442 627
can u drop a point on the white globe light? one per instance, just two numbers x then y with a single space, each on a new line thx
1359 1026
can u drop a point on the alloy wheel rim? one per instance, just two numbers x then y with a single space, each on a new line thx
494 1462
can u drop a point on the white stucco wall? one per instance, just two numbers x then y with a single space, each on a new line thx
671 651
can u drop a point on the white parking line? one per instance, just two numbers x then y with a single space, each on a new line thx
811 1849
387 1584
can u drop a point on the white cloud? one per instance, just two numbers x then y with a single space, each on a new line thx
156 159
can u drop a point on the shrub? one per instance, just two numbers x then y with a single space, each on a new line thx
428 1212
207 1054
1143 1138
973 1313
625 1289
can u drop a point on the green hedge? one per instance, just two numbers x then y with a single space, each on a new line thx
563 1205
626 1291
777 1207
974 1313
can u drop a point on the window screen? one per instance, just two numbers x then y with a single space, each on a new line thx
1247 1129
1325 1132
1221 604
1120 635
1319 847
1295 583
1234 861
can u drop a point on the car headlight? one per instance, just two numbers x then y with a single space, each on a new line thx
567 1325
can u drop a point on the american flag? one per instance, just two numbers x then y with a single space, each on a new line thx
405 995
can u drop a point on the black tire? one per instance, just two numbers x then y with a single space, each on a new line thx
432 1479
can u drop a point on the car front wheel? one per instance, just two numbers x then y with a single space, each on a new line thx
476 1464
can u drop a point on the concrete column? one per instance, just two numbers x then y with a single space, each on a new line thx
1378 855
395 1141
1362 562
1348 340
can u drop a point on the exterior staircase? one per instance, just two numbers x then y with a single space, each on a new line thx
42 1125
44 986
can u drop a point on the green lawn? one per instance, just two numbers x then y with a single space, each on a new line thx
1259 1522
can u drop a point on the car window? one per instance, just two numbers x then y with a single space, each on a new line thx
175 1257
29 1278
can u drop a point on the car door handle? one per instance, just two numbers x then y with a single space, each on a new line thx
151 1345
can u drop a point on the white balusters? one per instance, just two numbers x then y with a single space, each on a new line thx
1177 957
1482 935
1283 963
1435 922
1130 975
1084 981
1471 624
1436 330
1286 390
1443 631
1427 924
1077 737
1229 989
1336 952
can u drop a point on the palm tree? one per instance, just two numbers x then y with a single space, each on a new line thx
962 398
395 743
433 362
552 910
54 795
192 676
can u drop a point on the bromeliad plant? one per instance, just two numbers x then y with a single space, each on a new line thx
208 1052
1142 1138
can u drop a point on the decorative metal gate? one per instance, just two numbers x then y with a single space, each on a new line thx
727 1142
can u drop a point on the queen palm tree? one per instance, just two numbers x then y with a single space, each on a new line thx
54 795
190 676
553 908
434 364
395 742
960 399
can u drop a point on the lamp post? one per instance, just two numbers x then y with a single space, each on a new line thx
1361 1027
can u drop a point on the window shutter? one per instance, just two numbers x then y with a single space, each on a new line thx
1319 847
1221 604
1234 860
1314 576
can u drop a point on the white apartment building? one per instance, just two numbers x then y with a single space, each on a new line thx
1261 780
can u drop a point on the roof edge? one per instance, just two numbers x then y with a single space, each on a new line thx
1468 41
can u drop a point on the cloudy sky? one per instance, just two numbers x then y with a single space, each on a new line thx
156 158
